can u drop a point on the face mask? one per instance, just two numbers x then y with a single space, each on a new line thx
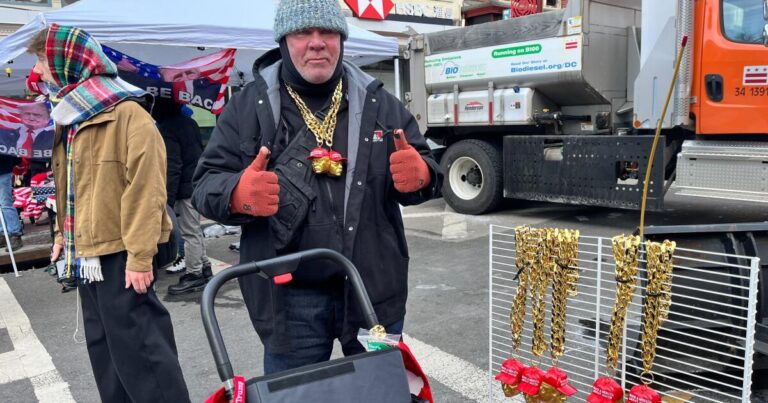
35 84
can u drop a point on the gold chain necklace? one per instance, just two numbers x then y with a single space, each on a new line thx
625 250
323 161
525 251
566 275
541 276
658 299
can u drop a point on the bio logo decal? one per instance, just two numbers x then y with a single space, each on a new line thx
450 69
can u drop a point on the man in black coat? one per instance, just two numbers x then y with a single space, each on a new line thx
305 157
183 146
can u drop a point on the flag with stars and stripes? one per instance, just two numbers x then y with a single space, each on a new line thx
26 128
201 82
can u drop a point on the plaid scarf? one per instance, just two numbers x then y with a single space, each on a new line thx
89 85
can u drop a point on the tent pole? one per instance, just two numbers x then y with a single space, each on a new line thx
397 78
8 241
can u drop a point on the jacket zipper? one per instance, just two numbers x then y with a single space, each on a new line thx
333 209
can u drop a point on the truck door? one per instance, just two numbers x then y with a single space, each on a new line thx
731 68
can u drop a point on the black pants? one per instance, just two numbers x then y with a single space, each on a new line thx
130 340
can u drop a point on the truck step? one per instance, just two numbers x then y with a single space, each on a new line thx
733 170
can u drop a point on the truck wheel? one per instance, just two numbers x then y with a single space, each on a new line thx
473 182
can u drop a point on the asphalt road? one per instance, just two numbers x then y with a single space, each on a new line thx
447 317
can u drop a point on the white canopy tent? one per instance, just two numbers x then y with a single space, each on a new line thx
171 31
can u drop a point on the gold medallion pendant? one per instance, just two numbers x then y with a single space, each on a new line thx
320 160
324 161
335 167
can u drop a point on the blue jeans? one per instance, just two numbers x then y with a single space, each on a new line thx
10 214
314 319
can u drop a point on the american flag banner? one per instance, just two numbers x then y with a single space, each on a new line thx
31 199
201 82
26 128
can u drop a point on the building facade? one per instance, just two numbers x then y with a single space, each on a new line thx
481 11
402 19
15 13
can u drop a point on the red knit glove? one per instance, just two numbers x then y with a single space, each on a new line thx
257 190
409 171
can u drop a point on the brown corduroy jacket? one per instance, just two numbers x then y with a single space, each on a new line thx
120 196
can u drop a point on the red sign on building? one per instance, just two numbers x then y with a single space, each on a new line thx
525 7
370 9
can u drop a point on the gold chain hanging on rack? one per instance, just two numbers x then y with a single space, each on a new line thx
625 249
525 255
541 276
658 299
565 279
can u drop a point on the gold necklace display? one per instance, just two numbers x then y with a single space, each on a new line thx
526 255
566 277
323 160
555 388
658 296
550 256
525 249
625 250
625 256
540 279
658 299
542 256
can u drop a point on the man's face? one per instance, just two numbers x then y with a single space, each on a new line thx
176 75
315 53
34 116
41 68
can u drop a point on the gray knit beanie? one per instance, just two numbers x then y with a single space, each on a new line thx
295 15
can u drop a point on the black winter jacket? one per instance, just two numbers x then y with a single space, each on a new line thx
373 236
183 147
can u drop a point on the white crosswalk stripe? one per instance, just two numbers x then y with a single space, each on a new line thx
457 374
29 359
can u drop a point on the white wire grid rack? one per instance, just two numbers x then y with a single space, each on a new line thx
705 348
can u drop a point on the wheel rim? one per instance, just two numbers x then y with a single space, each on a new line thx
465 178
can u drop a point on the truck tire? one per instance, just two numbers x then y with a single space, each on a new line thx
473 181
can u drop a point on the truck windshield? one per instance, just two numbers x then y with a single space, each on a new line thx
743 20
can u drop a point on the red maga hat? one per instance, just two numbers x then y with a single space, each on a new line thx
643 394
605 390
318 152
511 371
558 379
531 381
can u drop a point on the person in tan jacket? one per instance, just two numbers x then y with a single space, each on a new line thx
109 167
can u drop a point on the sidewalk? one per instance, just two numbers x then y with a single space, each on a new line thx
37 246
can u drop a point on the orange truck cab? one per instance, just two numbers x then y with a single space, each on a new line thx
730 68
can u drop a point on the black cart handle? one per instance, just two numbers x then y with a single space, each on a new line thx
270 269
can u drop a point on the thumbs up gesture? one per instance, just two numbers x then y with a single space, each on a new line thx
409 171
256 193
